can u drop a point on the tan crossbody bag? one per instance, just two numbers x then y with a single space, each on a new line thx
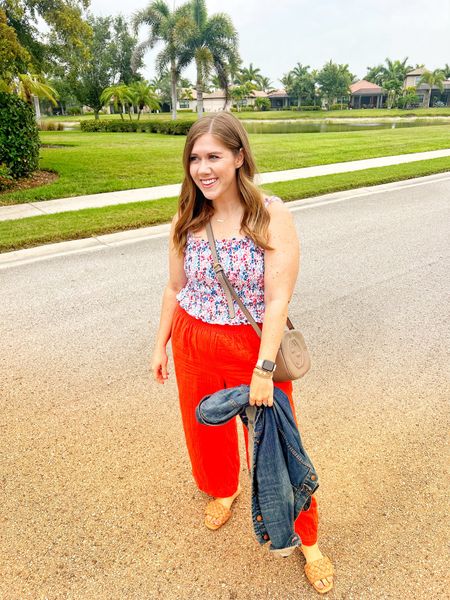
293 359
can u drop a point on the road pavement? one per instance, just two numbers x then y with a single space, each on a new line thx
97 497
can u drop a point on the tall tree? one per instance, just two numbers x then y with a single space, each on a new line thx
433 79
212 43
266 85
122 46
334 81
395 73
168 27
97 73
163 87
14 58
111 49
67 37
302 84
375 74
249 74
287 81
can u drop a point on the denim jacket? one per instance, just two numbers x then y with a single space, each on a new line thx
283 477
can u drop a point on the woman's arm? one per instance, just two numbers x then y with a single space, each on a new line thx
281 267
177 280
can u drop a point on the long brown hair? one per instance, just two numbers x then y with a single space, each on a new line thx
195 210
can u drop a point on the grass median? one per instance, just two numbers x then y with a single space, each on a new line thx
91 163
35 231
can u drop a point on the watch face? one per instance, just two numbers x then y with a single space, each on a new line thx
268 365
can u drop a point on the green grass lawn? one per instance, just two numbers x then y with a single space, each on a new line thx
285 114
34 231
89 163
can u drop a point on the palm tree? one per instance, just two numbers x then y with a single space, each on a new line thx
250 74
240 92
212 43
31 87
446 71
393 79
143 94
303 83
375 74
433 79
266 85
119 94
168 27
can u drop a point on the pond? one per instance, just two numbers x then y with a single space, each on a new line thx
324 126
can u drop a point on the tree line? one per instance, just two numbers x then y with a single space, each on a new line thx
96 61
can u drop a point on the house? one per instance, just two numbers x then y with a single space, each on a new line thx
254 95
280 99
213 102
364 94
412 80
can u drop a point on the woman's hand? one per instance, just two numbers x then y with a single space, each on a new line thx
159 365
261 391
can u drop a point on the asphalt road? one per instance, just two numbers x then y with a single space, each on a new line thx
97 497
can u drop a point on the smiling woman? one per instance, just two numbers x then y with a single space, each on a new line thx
214 346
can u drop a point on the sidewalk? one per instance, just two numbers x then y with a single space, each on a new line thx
47 207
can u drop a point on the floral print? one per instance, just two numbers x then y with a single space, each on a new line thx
243 262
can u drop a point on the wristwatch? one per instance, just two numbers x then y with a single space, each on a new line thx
266 365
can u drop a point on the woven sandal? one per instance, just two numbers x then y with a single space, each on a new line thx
319 569
217 510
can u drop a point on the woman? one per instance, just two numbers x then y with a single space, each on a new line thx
258 247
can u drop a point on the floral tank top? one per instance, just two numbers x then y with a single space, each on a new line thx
243 262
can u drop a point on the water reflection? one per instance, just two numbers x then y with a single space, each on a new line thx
323 126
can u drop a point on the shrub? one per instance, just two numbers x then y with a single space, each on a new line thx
408 101
6 178
339 106
166 127
262 103
19 136
308 108
438 104
74 111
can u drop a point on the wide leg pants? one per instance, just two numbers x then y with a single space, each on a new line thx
209 357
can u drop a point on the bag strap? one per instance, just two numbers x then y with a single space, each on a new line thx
229 290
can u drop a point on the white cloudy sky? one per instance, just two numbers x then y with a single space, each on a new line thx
275 35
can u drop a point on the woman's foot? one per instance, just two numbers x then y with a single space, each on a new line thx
311 554
226 502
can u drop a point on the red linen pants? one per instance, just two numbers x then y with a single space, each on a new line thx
209 357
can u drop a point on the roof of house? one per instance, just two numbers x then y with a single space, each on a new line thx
419 71
216 95
258 94
219 94
281 93
363 86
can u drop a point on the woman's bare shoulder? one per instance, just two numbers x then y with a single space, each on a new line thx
276 207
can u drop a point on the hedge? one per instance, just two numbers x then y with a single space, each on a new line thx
19 137
167 127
